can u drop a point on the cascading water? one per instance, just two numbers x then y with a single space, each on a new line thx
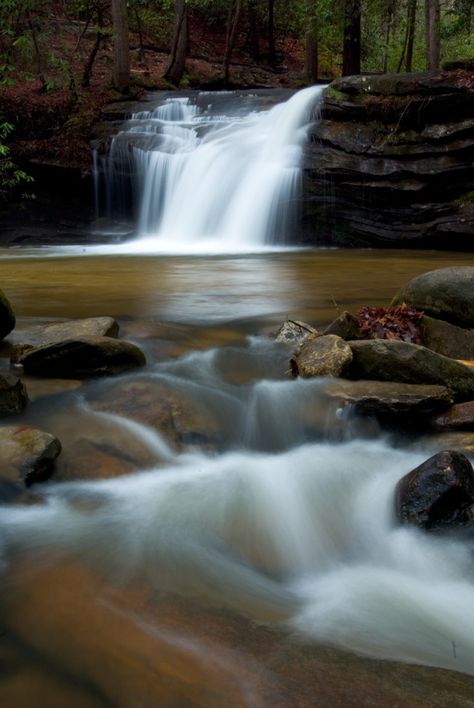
201 181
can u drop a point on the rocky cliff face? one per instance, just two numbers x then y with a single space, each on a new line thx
390 163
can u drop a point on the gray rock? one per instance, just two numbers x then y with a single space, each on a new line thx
447 339
345 326
82 357
382 398
27 454
13 396
43 335
447 293
438 494
295 332
327 355
7 318
394 360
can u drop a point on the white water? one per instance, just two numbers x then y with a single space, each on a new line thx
277 525
211 183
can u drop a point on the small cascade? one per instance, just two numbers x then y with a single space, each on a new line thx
192 178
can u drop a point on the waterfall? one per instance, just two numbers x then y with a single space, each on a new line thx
202 180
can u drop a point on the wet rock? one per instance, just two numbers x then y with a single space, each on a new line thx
394 360
459 416
447 293
178 416
42 335
450 440
345 326
41 388
7 318
382 398
438 494
27 454
82 357
295 332
88 460
13 396
447 339
327 355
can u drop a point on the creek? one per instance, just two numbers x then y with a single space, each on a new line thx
220 566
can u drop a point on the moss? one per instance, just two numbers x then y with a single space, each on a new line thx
467 198
333 95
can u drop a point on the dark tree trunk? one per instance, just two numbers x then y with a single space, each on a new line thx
432 34
388 32
99 38
312 58
177 60
254 39
411 24
351 47
271 31
233 22
121 71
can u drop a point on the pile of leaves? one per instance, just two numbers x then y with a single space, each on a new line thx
396 322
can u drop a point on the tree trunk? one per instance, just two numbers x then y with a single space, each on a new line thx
312 58
432 34
271 31
177 60
99 38
253 30
351 46
410 34
121 71
388 32
234 16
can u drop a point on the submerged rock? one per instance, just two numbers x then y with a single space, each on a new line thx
327 355
438 494
42 335
447 293
27 454
82 357
394 360
13 396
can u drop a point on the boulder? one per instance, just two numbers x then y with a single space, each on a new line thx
13 396
327 355
27 454
42 335
295 332
447 293
438 494
345 326
82 357
447 339
382 398
7 318
394 360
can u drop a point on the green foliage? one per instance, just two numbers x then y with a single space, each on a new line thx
11 177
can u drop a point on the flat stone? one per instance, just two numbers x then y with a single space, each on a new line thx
457 417
27 454
394 360
447 339
327 355
82 357
447 293
389 398
43 335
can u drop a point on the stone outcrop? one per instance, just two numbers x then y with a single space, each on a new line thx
438 494
390 162
13 396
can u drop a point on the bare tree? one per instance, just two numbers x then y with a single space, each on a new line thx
432 34
121 70
232 24
179 47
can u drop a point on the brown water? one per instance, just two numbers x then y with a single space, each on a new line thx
82 626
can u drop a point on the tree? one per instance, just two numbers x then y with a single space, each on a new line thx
351 45
177 59
432 17
312 58
121 66
232 24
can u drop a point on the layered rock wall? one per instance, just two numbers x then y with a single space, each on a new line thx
390 163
